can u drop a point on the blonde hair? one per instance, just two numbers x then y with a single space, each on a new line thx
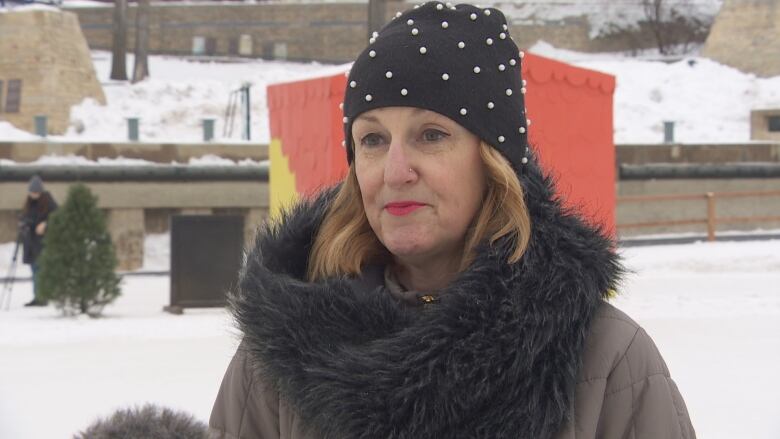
345 241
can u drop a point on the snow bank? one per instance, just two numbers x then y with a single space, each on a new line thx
180 93
10 132
709 102
16 7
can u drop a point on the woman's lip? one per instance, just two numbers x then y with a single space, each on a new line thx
402 208
404 204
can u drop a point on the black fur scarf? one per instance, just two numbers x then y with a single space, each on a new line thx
496 357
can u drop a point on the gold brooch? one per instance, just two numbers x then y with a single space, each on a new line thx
428 298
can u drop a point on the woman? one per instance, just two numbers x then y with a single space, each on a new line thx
441 291
32 228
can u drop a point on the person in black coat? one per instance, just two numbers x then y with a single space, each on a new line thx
32 228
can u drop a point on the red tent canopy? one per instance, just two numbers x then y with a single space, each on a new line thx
570 109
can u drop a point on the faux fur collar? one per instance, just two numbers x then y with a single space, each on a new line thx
496 357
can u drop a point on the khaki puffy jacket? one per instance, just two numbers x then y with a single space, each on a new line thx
624 391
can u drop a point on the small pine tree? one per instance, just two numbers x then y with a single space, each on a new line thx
78 260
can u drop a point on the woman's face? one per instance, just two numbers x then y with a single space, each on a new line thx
421 179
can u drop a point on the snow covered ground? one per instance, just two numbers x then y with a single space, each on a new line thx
179 94
712 308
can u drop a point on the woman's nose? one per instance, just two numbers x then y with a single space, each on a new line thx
398 167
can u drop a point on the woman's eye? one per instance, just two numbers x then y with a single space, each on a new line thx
371 139
433 135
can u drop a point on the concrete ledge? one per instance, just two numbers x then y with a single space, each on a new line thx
689 171
640 154
142 173
153 195
24 152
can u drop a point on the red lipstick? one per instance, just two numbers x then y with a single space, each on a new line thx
401 208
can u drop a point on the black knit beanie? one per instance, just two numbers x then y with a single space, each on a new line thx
35 184
458 61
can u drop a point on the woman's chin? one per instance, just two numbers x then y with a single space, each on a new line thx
405 246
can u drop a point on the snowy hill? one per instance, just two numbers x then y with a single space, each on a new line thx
708 101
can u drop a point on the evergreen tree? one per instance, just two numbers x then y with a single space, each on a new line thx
78 260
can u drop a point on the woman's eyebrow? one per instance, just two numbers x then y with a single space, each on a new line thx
367 118
370 118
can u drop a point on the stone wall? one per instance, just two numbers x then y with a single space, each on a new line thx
573 33
136 208
322 32
46 50
746 35
682 210
326 32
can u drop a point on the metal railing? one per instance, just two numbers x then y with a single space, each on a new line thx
712 220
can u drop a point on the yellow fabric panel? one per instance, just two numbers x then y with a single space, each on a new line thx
281 179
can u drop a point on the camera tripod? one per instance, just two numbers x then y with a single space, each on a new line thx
8 283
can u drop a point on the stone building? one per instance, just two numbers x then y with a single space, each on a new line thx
746 35
45 67
325 31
